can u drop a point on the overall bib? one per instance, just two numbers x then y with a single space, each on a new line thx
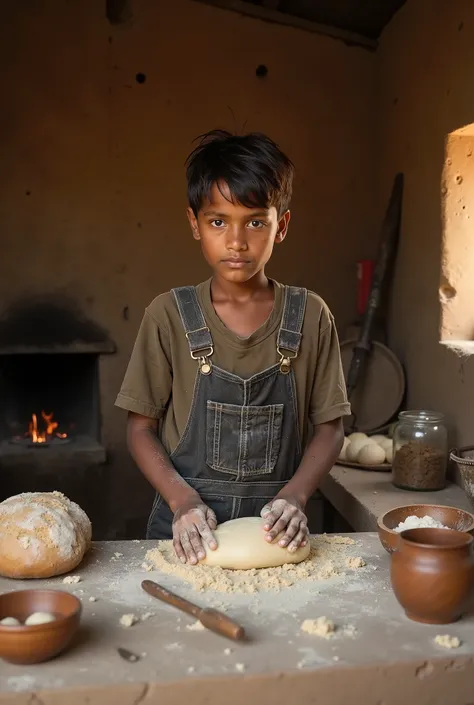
242 440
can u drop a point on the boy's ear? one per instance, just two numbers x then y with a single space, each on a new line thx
283 226
193 223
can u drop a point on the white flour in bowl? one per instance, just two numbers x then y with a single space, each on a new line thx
414 522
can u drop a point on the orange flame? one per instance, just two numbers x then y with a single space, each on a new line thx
38 436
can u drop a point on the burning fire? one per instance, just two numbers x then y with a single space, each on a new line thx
38 436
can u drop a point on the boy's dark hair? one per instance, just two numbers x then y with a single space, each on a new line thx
254 168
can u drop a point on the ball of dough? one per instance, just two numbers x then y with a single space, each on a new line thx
10 622
371 454
378 438
42 534
357 436
386 442
389 453
241 545
342 454
39 618
354 447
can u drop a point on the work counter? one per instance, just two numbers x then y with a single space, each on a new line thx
375 656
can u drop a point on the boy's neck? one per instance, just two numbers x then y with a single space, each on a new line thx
240 291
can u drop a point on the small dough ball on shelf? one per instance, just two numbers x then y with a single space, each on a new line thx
342 454
378 438
354 447
357 436
386 443
371 454
389 453
10 622
39 618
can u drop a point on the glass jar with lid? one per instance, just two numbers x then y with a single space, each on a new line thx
420 451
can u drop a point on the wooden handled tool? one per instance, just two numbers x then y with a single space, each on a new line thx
212 619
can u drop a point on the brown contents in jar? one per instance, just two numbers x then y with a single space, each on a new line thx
418 466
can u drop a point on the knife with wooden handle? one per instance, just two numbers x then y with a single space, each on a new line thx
212 619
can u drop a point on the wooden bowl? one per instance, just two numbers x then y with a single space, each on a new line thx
451 517
41 642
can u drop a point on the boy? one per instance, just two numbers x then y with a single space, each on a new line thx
224 377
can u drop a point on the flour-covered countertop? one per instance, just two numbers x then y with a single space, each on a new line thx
375 656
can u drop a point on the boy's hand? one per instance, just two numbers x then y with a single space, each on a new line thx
193 522
286 515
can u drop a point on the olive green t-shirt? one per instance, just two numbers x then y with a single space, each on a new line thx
159 381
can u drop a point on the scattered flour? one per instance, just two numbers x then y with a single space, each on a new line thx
146 616
72 579
322 626
147 566
355 562
327 559
448 642
117 554
414 522
92 599
128 620
196 626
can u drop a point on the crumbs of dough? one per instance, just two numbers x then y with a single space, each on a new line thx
327 559
355 562
448 642
72 579
240 667
128 620
322 626
196 626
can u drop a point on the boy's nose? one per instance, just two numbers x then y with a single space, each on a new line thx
237 239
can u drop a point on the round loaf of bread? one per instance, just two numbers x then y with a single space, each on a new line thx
42 534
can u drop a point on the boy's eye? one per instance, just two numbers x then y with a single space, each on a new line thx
256 224
217 223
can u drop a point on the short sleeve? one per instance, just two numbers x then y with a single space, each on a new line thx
328 397
146 388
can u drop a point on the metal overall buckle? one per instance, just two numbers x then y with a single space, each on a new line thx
285 361
202 356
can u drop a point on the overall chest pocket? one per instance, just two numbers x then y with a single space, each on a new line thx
243 440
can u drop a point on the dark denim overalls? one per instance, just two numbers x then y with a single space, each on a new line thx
241 443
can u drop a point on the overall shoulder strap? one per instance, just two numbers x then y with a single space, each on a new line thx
289 335
194 324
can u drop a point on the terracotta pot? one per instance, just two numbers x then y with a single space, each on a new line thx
41 642
432 574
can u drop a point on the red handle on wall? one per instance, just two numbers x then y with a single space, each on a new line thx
365 270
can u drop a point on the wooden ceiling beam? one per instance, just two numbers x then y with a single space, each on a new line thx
267 14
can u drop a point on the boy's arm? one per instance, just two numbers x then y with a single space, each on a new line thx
193 520
286 511
328 404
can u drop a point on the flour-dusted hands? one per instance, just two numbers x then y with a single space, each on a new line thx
286 515
193 524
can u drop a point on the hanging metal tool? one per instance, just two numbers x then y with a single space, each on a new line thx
385 259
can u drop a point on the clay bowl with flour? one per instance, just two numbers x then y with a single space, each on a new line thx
451 517
432 574
28 644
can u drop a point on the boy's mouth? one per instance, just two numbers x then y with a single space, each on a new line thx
236 262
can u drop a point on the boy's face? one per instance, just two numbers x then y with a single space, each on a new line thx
236 241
